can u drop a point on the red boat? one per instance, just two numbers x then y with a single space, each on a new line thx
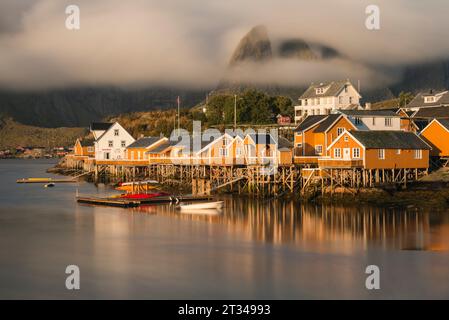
138 196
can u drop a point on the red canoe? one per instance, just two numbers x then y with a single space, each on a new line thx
143 195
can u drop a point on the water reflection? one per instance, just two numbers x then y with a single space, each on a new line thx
324 228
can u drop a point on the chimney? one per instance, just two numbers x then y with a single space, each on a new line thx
368 106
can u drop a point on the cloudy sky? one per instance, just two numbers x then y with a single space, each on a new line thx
189 42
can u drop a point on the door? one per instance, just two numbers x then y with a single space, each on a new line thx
107 155
346 153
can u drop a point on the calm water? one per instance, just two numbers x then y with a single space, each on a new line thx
253 249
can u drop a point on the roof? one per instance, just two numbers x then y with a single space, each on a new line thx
432 112
370 113
89 142
309 121
334 88
418 100
284 144
262 138
144 142
161 147
389 140
327 122
94 126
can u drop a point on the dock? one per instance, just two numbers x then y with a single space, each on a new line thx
45 180
130 203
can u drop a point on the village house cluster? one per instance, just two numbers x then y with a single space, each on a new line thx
333 131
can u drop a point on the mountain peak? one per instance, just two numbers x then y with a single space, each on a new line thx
254 46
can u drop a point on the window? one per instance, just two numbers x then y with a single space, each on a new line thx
116 132
346 88
350 100
110 143
305 102
358 121
388 122
90 149
374 121
337 153
238 151
429 99
340 100
381 153
398 151
418 154
340 131
123 143
356 153
223 152
346 138
318 149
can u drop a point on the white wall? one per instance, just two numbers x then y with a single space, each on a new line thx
367 123
326 104
116 152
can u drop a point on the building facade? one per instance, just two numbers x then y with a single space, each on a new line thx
324 98
112 143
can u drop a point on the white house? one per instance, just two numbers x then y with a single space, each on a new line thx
111 144
323 98
373 120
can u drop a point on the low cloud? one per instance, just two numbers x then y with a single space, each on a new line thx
189 42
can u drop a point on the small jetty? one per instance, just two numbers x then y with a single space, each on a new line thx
129 203
45 180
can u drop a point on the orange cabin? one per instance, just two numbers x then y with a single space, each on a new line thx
137 151
378 150
316 133
84 148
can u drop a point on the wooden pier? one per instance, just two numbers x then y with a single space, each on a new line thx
257 180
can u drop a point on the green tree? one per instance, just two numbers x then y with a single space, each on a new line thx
283 105
405 98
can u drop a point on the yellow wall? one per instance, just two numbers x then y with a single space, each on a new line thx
83 151
136 154
396 161
438 138
342 144
371 156
313 139
332 134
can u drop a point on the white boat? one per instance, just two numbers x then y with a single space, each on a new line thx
202 206
139 182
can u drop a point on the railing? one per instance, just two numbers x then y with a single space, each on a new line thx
339 163
306 160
